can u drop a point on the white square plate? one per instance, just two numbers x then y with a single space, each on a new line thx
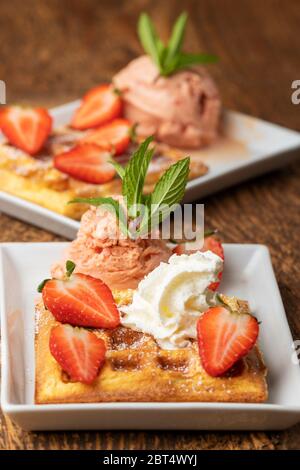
248 147
248 274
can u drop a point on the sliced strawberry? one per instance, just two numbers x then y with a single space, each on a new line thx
26 128
211 243
224 337
99 106
79 352
114 137
180 249
81 300
86 162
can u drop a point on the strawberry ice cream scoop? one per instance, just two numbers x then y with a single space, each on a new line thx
182 110
102 251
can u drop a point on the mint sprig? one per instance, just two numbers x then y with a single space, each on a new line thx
148 209
169 58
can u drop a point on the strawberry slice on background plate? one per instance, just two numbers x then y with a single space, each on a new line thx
114 137
86 162
99 106
211 243
26 128
79 352
80 300
224 337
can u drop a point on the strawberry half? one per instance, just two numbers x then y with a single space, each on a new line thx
114 137
81 300
224 337
26 128
79 352
211 243
99 106
86 162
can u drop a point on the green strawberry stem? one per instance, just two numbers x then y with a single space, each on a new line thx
42 285
70 266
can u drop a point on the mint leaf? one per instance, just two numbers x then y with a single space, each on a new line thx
183 61
111 204
186 60
70 266
132 132
135 174
149 39
176 39
170 187
119 168
169 190
93 201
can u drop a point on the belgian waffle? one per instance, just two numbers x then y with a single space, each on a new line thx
36 180
136 369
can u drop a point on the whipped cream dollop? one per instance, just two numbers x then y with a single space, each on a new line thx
170 299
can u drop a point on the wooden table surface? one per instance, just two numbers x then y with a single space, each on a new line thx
51 52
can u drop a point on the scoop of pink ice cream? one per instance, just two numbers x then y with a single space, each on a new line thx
102 251
182 110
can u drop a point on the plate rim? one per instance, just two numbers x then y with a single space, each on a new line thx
19 408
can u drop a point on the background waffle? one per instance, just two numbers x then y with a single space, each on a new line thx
36 180
136 369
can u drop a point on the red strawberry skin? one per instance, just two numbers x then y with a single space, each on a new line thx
99 106
26 128
86 162
211 243
224 337
79 352
81 300
113 137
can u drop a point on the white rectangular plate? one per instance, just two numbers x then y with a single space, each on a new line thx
248 147
248 274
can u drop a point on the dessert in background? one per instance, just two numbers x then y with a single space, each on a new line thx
166 94
169 336
156 94
71 163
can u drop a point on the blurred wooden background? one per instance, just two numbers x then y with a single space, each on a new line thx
53 51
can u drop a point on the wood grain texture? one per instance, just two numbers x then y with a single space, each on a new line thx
51 52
